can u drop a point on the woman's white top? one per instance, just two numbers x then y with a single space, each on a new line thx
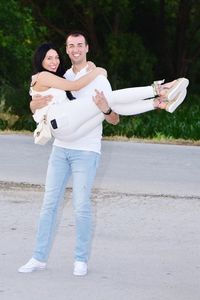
91 141
59 96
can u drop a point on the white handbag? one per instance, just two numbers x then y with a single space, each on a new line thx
42 134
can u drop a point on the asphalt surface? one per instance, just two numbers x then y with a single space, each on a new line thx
125 166
146 244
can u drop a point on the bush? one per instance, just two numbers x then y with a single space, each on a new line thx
184 123
130 62
24 123
3 124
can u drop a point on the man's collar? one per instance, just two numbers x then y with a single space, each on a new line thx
77 70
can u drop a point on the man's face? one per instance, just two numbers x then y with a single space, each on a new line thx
77 49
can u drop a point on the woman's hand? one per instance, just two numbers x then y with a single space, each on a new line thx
102 71
90 66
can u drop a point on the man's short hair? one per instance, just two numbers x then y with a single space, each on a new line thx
76 33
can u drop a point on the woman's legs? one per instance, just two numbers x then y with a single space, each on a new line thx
70 116
84 129
135 108
130 95
131 101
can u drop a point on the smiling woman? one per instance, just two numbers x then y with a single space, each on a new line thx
51 61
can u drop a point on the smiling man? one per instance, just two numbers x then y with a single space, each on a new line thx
77 48
78 157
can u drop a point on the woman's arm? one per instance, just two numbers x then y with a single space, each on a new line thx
46 79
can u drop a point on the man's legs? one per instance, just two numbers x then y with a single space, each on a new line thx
57 175
83 165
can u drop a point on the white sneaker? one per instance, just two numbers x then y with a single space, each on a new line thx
32 265
80 268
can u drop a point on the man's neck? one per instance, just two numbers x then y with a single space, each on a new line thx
78 67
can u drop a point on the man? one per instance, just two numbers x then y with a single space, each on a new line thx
76 157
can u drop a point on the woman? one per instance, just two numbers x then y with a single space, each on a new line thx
71 119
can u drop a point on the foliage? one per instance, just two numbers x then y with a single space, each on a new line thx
24 123
3 124
19 35
183 123
137 41
130 59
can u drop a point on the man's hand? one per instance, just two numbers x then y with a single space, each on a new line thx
102 103
39 101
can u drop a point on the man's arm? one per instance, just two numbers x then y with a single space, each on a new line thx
113 118
101 101
38 102
103 84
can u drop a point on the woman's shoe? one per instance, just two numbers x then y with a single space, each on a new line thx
170 105
177 90
174 103
169 90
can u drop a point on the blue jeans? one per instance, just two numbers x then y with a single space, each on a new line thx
82 165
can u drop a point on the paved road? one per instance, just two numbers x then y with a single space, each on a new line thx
146 242
125 166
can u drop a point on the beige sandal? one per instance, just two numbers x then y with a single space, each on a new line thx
156 86
179 86
171 105
174 103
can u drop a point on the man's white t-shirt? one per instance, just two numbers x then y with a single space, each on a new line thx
92 140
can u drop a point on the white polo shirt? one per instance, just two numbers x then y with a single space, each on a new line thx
92 140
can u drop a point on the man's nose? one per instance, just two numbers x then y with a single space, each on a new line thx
76 48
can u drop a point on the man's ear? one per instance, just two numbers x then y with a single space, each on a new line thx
87 49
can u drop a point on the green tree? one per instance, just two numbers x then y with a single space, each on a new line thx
19 35
170 29
137 41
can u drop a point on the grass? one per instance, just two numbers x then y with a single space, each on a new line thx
116 138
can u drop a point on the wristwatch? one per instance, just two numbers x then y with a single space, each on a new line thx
108 112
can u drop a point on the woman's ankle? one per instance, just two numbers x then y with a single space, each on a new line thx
159 103
157 87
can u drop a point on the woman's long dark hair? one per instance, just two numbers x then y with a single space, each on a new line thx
39 56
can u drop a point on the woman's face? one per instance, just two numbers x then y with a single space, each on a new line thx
51 61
